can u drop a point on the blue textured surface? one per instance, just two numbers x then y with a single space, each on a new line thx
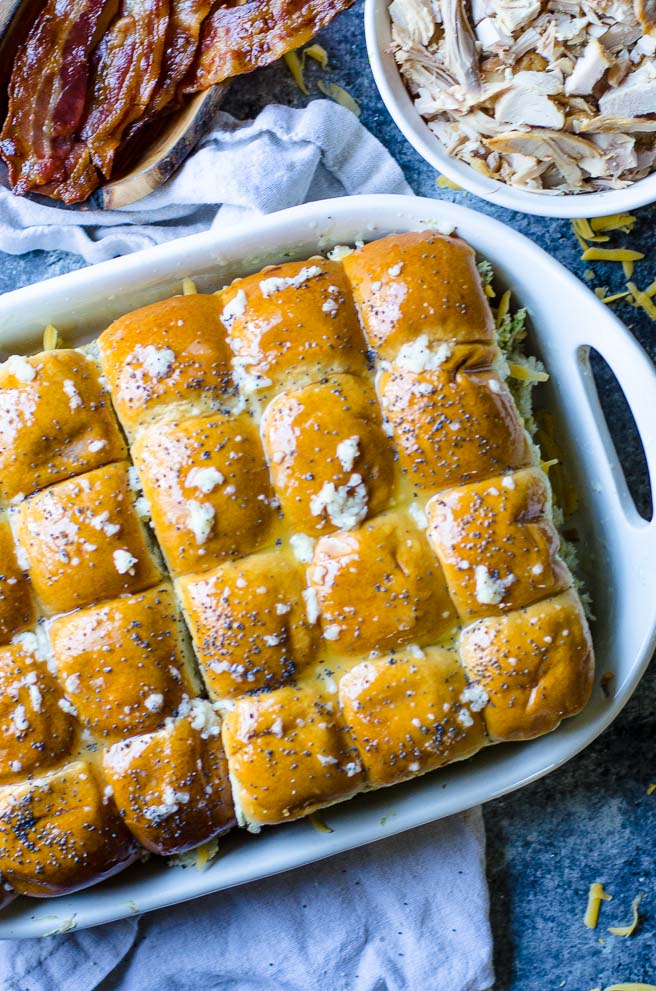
591 820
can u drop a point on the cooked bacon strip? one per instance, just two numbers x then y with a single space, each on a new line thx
128 63
238 39
183 37
47 95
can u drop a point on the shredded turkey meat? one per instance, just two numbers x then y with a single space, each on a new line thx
550 96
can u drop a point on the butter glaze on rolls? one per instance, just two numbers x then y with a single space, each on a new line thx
325 561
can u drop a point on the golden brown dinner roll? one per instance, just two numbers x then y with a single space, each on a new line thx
61 832
289 753
379 587
56 421
122 664
331 463
292 324
535 666
84 541
249 623
166 355
410 712
497 544
452 416
408 285
36 729
208 488
17 611
172 787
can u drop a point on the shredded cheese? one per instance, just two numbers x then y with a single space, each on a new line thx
295 66
502 309
629 929
627 268
631 986
318 53
50 338
583 229
546 465
319 824
339 95
525 374
651 789
443 183
189 287
611 255
596 895
642 300
615 222
612 298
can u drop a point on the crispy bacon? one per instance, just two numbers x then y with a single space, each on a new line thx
128 61
238 39
47 95
183 37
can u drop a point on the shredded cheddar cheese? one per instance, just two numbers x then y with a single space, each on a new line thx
295 67
50 338
583 229
189 287
318 53
546 465
629 929
596 895
613 297
651 789
525 374
627 268
443 183
615 222
642 300
339 95
502 309
611 255
631 986
319 824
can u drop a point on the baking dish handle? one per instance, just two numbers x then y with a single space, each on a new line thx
636 376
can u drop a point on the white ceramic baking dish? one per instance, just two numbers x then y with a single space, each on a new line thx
619 546
402 111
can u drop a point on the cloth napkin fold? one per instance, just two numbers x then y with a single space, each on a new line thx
282 158
407 913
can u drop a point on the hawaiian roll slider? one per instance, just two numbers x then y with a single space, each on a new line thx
535 665
83 540
171 786
292 324
379 586
167 359
17 607
413 285
37 729
61 832
124 665
56 421
208 488
250 624
497 544
289 754
410 712
453 418
330 461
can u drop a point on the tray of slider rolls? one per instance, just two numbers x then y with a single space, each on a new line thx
277 533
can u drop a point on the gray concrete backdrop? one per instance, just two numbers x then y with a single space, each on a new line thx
591 820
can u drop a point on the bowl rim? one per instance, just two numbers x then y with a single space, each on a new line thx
401 109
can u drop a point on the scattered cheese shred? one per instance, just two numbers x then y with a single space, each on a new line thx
443 183
627 268
583 229
611 255
502 308
631 986
651 789
295 67
642 300
629 930
319 824
546 465
189 287
596 895
319 54
339 95
525 374
50 338
615 222
613 298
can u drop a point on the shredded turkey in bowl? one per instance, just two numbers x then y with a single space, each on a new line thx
552 96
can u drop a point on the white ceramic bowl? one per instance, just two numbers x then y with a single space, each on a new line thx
401 108
620 547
